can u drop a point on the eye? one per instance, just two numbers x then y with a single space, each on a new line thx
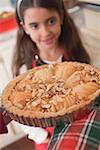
33 25
51 21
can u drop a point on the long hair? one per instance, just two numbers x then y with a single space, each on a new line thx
26 49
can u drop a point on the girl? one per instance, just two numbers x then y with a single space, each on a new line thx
46 34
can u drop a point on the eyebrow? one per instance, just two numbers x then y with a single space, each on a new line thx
52 17
31 23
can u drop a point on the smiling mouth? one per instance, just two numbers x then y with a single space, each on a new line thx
48 41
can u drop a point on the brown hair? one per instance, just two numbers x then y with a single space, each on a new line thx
26 49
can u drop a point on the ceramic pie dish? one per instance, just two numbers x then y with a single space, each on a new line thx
51 94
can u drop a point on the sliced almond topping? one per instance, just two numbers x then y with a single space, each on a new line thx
18 105
36 102
45 106
28 87
34 92
42 86
27 100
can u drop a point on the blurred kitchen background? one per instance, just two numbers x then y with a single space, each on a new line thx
86 15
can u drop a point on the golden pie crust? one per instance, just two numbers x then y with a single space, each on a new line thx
52 90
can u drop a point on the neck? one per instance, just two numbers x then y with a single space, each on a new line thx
52 54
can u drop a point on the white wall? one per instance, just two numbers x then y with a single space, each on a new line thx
4 3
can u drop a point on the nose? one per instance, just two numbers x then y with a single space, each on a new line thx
44 31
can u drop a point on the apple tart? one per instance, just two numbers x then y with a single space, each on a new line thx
50 94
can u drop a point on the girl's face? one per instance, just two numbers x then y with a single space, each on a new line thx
43 26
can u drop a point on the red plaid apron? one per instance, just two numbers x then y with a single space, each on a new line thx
82 134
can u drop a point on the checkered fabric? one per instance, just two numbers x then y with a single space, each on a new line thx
83 134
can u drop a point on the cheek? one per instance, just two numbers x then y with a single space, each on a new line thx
34 36
58 30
